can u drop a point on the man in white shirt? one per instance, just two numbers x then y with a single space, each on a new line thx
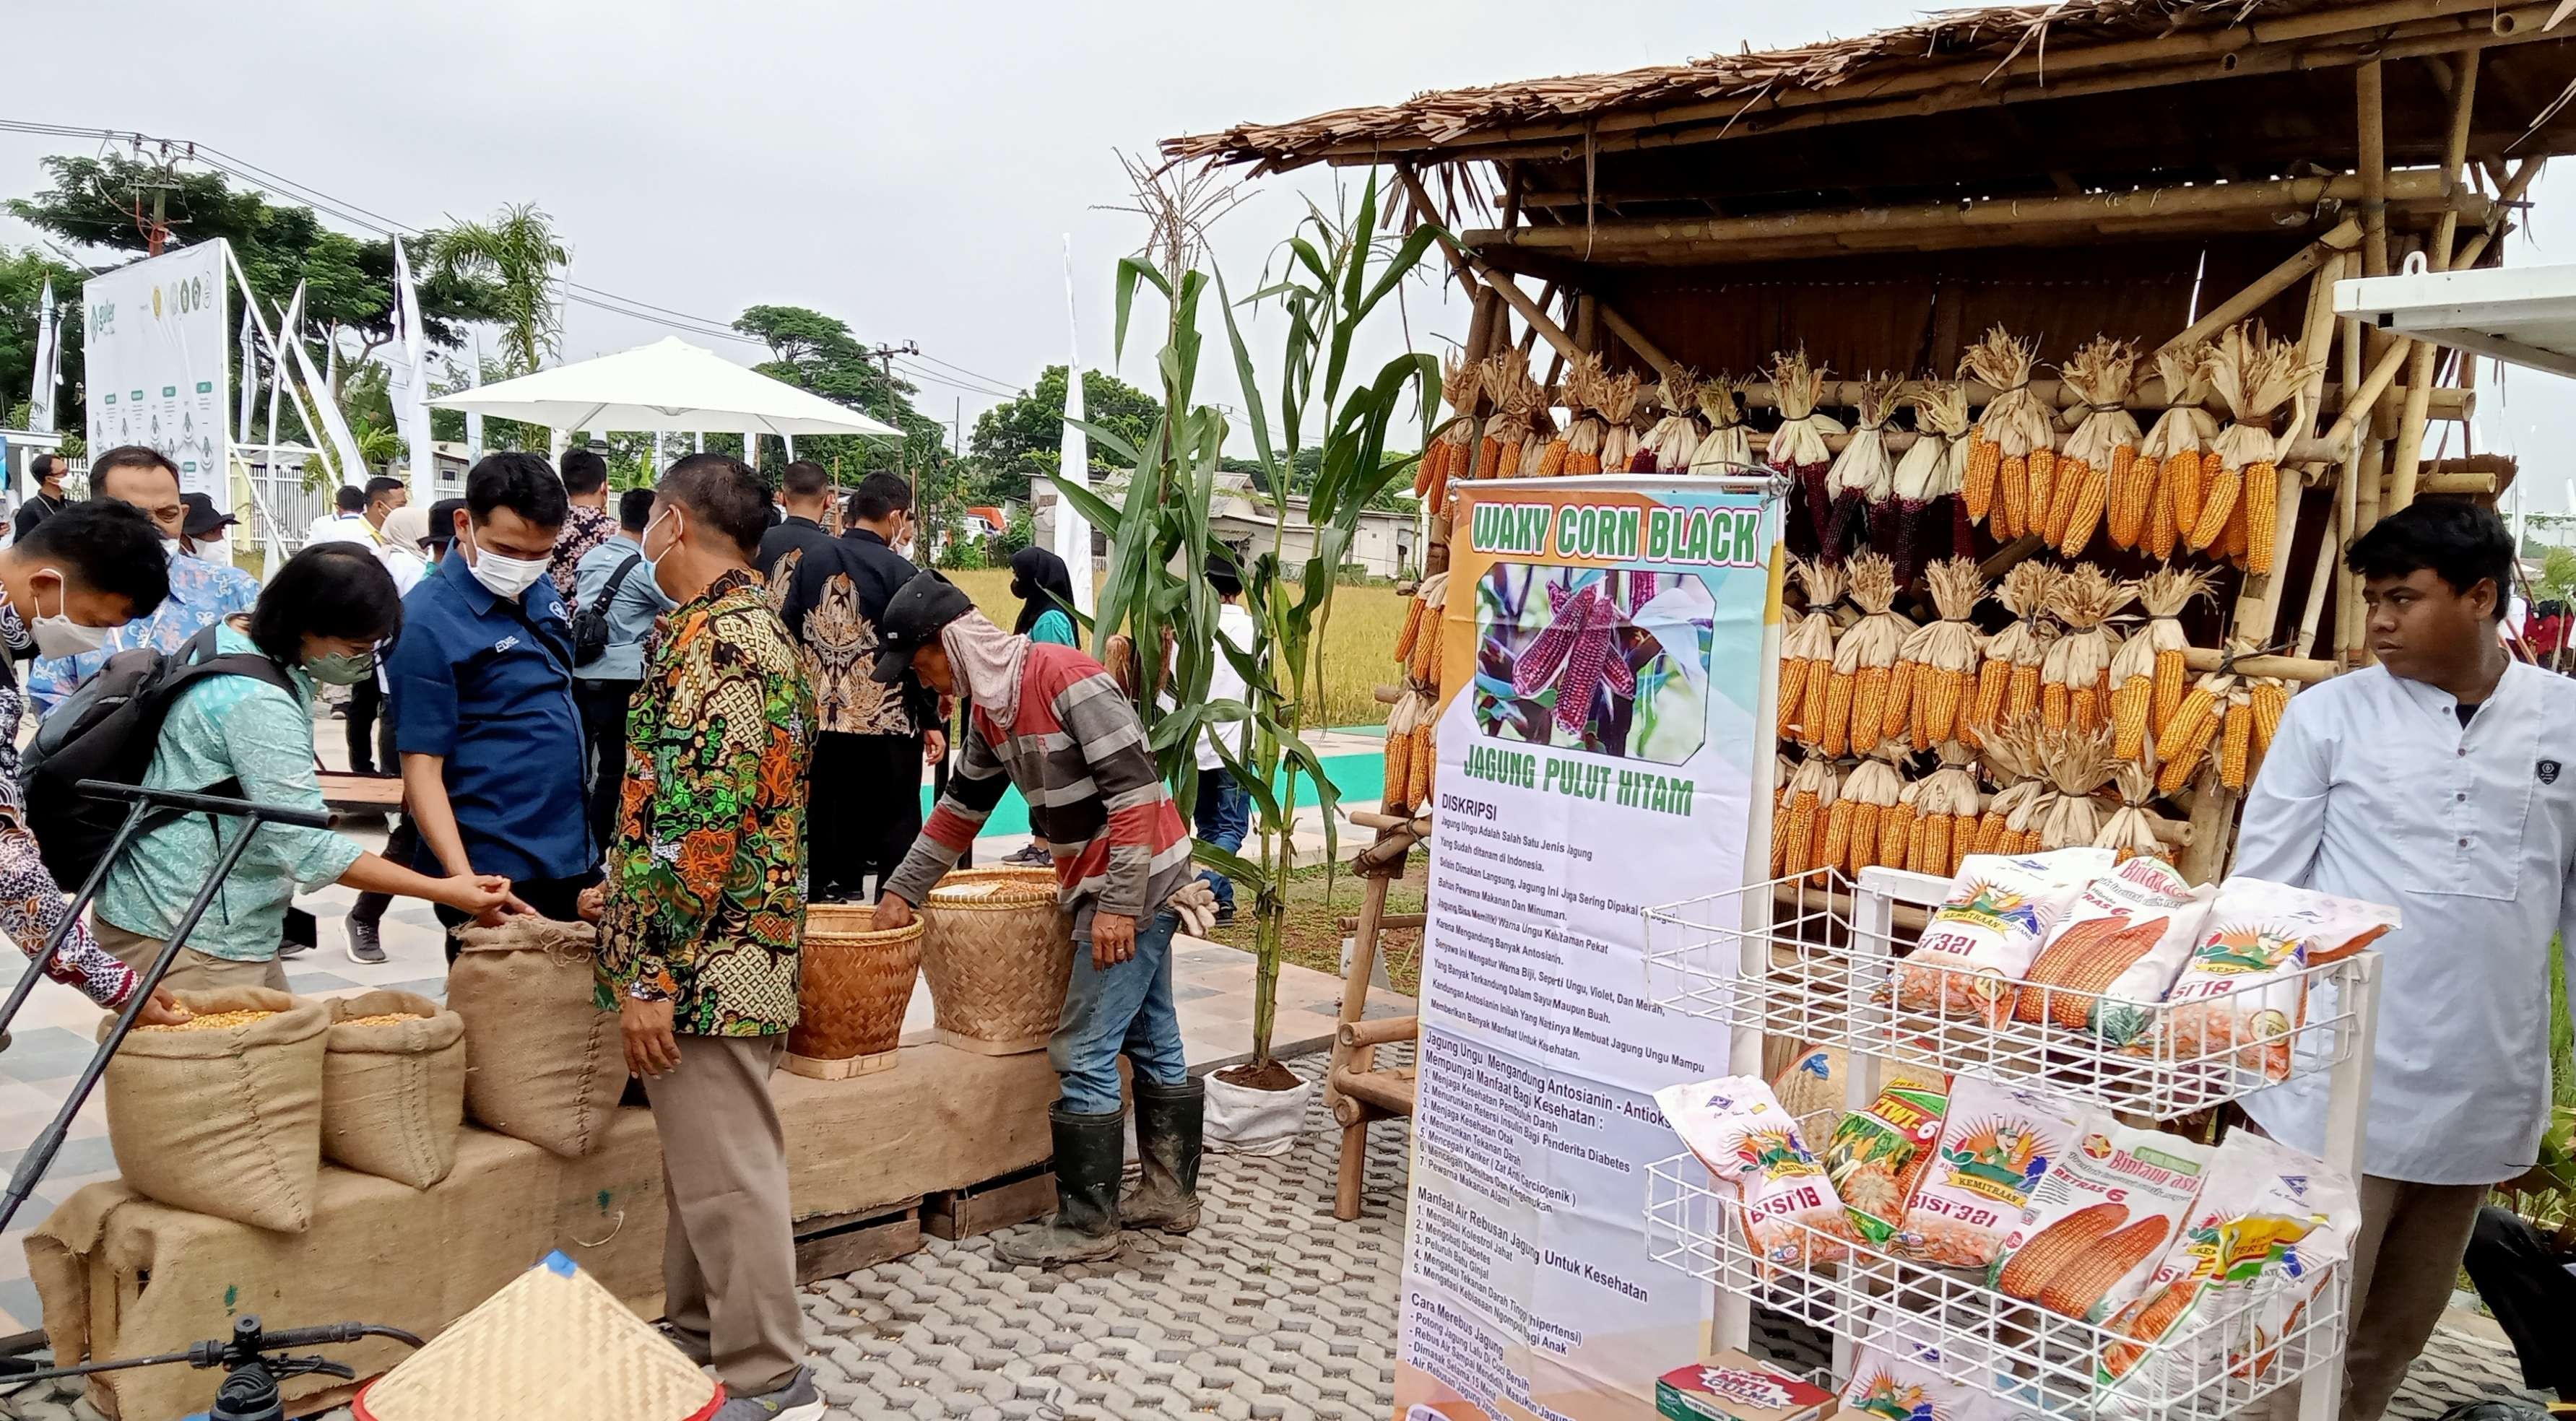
2441 780
1223 814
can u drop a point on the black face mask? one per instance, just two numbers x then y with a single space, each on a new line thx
1019 589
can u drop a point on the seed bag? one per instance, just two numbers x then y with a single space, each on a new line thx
1997 1143
2243 987
2098 1221
1981 941
2118 949
1785 1204
1878 1152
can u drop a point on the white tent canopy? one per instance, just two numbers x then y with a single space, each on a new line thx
667 386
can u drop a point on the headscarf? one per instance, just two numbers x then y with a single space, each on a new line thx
406 526
1044 583
987 661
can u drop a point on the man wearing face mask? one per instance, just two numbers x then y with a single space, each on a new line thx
482 698
201 593
201 534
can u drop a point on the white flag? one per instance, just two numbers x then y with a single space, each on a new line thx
318 406
1073 458
473 420
409 386
249 376
49 360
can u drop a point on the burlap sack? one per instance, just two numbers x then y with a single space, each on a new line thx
225 1121
544 1064
393 1094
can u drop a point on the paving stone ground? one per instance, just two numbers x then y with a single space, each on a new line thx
1271 1309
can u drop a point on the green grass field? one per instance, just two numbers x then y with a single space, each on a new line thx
1359 642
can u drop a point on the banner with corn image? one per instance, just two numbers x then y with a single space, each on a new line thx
2088 1241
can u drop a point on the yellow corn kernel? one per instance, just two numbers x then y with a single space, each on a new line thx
1963 833
1413 610
2043 490
1552 461
2215 507
2188 475
1985 461
1895 834
2092 495
2235 749
2172 680
2068 481
1425 756
1901 687
1833 734
2023 698
2194 725
1868 709
2127 509
1990 833
1801 834
2269 702
1793 685
1432 458
2158 539
2129 707
1838 821
2084 708
1399 774
2012 506
1945 689
1819 706
1860 850
2056 708
1992 677
2262 498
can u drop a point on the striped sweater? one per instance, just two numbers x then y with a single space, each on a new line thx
1078 754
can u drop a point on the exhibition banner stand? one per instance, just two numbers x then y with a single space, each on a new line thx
158 345
1611 649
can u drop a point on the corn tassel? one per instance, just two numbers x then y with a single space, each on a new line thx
2235 749
2187 474
1901 690
2215 506
1793 686
2013 507
1977 491
2172 680
1832 732
2187 738
2023 698
2262 498
2129 707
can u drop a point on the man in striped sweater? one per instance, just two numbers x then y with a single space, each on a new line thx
1050 720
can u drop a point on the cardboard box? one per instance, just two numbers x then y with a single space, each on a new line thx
1734 1387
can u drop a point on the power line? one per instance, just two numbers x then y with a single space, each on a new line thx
933 377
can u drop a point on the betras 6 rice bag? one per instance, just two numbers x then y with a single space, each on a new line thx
2243 989
2089 1240
1783 1201
1983 938
1997 1143
2121 945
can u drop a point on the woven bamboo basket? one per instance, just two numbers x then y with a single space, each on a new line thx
999 953
856 984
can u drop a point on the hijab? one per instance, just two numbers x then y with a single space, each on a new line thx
988 661
1044 584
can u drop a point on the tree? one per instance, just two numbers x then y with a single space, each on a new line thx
22 294
1022 439
517 256
820 353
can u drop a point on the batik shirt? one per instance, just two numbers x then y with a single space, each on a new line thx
705 903
31 904
584 528
201 594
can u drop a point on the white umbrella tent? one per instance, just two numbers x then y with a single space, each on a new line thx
669 386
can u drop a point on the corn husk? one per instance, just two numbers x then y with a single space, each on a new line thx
2010 758
1577 447
1516 399
1807 651
1809 806
1727 447
2183 432
2164 593
2014 424
2019 651
1930 473
1943 651
1873 788
1798 446
1863 475
1870 645
2079 664
2078 763
1449 454
2101 374
1675 438
1617 399
2131 829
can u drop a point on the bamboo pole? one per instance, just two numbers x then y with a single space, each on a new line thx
2258 599
1634 338
2346 493
2455 157
2344 236
2329 561
2303 670
1355 984
2368 83
2213 817
2374 458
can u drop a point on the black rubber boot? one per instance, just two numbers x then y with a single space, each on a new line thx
1089 1152
1171 1123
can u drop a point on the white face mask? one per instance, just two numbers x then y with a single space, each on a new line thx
214 552
58 635
654 559
507 577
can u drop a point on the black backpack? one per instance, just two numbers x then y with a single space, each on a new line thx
590 624
108 730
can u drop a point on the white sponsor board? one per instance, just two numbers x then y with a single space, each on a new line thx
159 361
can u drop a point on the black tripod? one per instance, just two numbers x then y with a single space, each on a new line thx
253 1361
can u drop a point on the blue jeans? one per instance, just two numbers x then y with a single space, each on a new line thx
1126 1008
1222 817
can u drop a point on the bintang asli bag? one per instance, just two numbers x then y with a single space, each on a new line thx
545 1064
393 1093
224 1120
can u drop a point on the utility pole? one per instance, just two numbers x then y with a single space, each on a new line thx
885 355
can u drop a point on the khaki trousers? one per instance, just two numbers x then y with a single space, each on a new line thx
191 971
2404 1266
729 1256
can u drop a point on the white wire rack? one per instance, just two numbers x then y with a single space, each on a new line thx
2217 1364
1822 968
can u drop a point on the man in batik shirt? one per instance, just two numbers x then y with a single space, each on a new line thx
701 916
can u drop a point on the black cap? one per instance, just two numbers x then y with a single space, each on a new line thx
203 517
913 615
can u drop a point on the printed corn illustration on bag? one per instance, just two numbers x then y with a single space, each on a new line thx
1878 1152
2128 933
2088 1242
1985 935
1901 1373
1783 1201
2244 988
1997 1144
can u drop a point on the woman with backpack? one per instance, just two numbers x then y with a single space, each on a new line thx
247 731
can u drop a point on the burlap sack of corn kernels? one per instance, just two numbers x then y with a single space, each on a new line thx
224 1120
393 1092
543 1064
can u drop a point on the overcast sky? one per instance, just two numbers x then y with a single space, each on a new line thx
912 169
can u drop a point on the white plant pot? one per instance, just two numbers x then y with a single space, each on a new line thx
1244 1121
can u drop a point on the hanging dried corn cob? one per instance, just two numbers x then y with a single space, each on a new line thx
2255 377
2131 829
1584 385
1669 445
2013 438
2103 450
2078 763
2270 698
1726 447
1542 434
1864 660
2008 677
2075 677
1863 475
1945 815
1938 662
1400 723
1425 756
2169 472
1930 474
2011 759
1871 791
1618 398
1515 398
1447 455
2147 676
1420 650
2194 728
1807 652
1811 800
1896 826
1780 802
1798 446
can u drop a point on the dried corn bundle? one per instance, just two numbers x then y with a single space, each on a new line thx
1896 826
1807 653
1938 662
1558 457
2147 676
2269 697
1425 756
1863 476
1785 775
1448 455
2169 472
1727 446
1868 795
2008 678
2075 677
2131 829
1418 646
1929 474
1945 816
2194 728
1675 438
1798 446
2010 760
1864 666
2103 450
2014 448
1515 398
1812 793
2254 377
1617 398
2078 763
1401 722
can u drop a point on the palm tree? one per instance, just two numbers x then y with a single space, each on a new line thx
519 255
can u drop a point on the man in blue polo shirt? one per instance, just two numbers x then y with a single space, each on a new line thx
483 698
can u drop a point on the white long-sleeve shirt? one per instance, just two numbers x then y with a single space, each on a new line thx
2372 790
1234 627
